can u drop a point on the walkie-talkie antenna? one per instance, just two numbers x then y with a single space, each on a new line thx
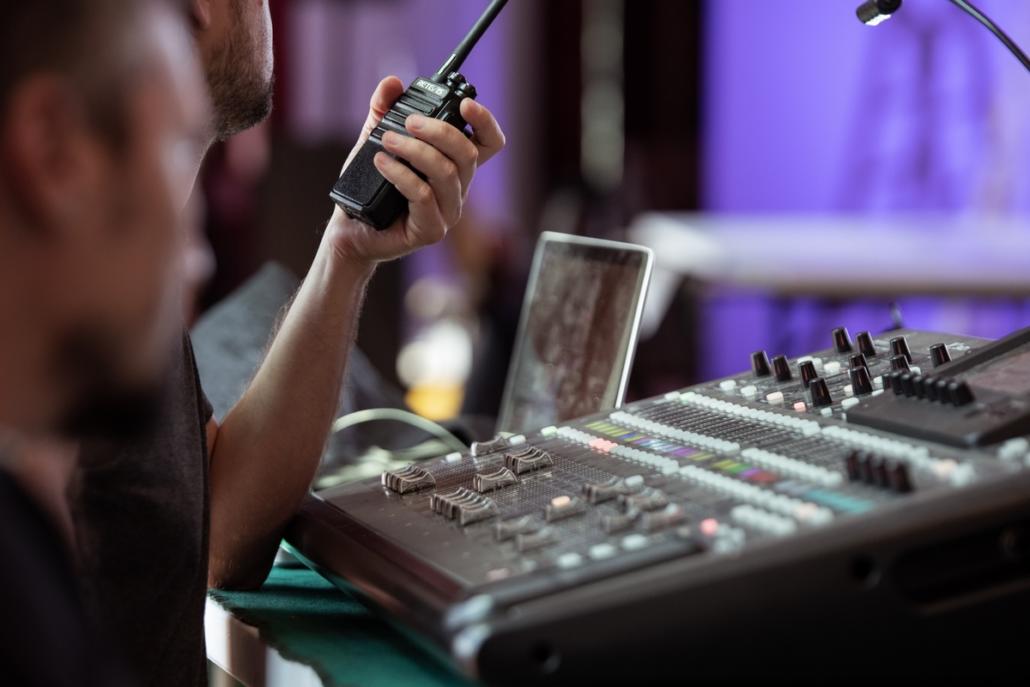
453 63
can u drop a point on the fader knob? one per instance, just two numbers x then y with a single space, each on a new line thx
781 368
865 345
861 382
820 393
899 363
842 340
808 373
760 364
899 346
939 354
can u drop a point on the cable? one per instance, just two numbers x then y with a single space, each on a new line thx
359 417
993 28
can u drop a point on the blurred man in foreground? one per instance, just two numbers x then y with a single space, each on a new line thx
194 503
102 113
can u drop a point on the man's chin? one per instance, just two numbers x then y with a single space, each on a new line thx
114 415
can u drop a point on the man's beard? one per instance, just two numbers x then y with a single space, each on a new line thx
102 407
241 94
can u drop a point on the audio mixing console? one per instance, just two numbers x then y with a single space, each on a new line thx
862 508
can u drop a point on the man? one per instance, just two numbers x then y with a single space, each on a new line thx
195 503
102 110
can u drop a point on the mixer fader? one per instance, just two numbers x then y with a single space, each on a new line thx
764 492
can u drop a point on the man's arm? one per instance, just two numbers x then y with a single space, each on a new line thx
265 454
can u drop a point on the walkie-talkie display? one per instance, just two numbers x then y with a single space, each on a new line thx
361 191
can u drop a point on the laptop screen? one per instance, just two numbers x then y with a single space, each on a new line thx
577 331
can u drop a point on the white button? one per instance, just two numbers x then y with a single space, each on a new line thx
826 412
452 457
632 542
878 382
916 370
601 551
749 392
800 406
633 481
569 560
549 431
728 385
516 440
849 403
849 390
832 368
775 398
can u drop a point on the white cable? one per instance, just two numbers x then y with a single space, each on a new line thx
359 417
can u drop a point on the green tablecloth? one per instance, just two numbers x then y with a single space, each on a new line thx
309 620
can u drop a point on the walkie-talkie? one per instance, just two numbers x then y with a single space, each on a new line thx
361 191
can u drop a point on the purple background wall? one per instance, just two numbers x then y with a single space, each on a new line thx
808 111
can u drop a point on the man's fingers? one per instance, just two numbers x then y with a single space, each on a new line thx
425 221
383 97
486 132
443 174
450 141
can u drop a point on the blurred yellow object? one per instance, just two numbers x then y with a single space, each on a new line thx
435 401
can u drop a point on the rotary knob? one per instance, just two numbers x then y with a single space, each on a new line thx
861 382
760 364
865 345
939 354
781 368
820 393
808 373
899 346
842 340
899 363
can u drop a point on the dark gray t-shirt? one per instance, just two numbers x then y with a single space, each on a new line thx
141 516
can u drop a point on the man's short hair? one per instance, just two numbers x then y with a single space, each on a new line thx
88 41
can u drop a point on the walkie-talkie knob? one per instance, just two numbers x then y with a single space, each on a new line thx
865 345
842 340
820 393
760 364
781 368
899 346
939 354
861 382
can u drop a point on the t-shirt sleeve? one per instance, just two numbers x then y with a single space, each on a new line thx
207 411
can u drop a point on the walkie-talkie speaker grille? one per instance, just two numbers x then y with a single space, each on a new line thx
365 194
363 179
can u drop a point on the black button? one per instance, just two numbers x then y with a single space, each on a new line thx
960 394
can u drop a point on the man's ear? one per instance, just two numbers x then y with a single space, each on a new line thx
46 142
200 14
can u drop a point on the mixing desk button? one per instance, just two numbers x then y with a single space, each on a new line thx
781 368
858 360
648 499
760 364
536 540
842 340
832 368
1014 449
463 505
618 522
407 479
507 529
606 491
562 507
634 542
775 398
899 363
601 551
749 392
670 516
861 381
866 345
727 385
959 394
491 481
482 448
569 560
527 460
899 346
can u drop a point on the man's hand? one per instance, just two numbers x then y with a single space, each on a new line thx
446 157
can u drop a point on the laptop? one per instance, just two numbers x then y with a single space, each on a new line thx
577 331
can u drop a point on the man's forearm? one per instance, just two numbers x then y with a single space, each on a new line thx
268 448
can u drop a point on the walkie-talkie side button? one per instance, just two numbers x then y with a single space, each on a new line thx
407 479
